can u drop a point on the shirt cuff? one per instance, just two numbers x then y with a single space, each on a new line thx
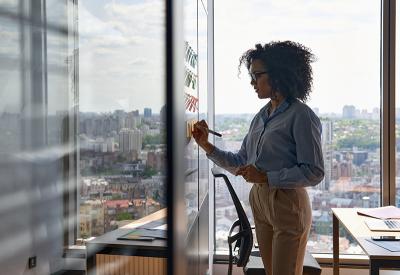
273 179
214 154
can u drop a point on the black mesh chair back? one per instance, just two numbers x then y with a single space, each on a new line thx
243 239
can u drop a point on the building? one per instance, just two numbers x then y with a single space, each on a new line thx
92 222
156 159
147 112
359 157
132 121
349 112
130 140
326 143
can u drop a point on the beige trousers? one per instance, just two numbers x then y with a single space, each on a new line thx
282 219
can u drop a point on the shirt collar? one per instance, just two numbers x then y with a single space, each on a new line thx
281 107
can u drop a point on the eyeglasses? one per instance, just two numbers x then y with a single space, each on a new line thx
255 75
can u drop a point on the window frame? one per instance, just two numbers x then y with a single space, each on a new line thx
388 131
388 108
70 124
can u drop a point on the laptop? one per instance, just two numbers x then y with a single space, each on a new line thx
383 225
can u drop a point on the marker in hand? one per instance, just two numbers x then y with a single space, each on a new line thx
210 131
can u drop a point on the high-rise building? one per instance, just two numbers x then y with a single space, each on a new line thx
156 160
132 120
335 169
349 112
327 152
137 140
125 140
359 157
120 115
147 112
110 144
130 140
163 117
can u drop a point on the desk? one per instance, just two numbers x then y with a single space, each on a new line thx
112 256
355 225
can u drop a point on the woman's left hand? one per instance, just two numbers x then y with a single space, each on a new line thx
251 174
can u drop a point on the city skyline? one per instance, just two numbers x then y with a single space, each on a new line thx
111 77
315 109
352 174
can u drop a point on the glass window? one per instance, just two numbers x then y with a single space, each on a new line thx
203 104
345 37
10 79
397 198
34 145
121 113
191 109
9 6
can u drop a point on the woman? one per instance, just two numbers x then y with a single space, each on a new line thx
281 154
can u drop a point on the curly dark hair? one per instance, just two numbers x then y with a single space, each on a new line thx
288 65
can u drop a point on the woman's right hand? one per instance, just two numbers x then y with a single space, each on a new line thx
200 132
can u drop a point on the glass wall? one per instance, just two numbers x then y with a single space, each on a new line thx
196 108
83 124
191 108
397 127
36 112
203 95
121 113
345 37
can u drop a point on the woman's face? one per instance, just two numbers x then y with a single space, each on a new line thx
259 79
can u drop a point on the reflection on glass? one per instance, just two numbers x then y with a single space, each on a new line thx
11 87
203 104
346 97
59 15
122 113
9 5
397 111
34 109
191 108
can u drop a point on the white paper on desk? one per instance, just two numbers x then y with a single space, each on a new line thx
384 213
393 246
162 227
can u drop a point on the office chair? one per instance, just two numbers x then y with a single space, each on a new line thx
242 241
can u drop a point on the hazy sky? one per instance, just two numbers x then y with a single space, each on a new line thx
122 61
344 35
121 55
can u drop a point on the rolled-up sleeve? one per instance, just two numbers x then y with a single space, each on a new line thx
309 170
229 160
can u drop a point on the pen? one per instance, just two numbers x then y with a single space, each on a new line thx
211 131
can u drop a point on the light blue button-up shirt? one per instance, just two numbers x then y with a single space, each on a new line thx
285 145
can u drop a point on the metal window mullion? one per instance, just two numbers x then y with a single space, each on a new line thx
392 103
211 121
388 134
175 130
75 203
71 168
